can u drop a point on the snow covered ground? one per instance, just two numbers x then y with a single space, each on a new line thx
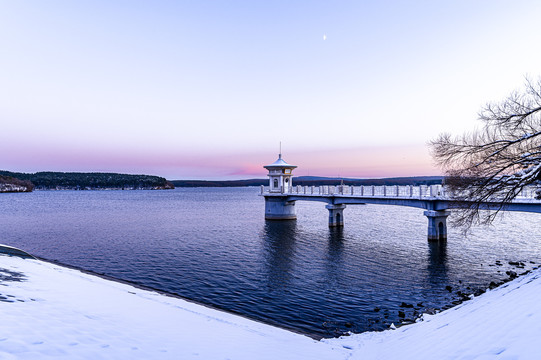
49 311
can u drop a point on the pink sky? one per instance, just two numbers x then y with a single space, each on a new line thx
362 162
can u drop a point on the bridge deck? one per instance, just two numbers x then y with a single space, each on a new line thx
425 197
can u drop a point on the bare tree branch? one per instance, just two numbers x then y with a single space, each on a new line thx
495 163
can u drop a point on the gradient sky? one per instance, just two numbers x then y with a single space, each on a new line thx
208 89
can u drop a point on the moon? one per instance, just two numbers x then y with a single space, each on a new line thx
324 37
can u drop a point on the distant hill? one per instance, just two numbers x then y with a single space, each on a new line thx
11 184
314 181
90 181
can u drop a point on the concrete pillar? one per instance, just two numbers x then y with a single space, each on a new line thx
437 224
336 214
277 208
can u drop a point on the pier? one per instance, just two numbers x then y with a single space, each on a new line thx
281 195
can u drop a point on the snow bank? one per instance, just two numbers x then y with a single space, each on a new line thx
503 323
62 313
48 311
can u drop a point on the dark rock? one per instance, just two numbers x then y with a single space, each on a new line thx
511 274
348 324
431 311
401 314
404 305
514 263
420 304
479 292
493 285
377 309
449 288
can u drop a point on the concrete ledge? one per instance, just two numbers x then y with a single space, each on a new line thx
280 217
4 249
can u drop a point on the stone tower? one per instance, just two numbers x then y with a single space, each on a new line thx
280 174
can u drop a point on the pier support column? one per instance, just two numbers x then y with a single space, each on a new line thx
277 208
437 224
336 214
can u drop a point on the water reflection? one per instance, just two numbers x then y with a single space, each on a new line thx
437 263
278 252
335 255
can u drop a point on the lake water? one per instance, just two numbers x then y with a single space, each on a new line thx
212 245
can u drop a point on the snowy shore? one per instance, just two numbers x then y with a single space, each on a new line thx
49 311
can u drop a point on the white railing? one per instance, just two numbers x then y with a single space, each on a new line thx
408 191
391 191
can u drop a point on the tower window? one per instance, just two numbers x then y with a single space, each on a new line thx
275 183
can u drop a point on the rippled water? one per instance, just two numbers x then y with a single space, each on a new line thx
213 245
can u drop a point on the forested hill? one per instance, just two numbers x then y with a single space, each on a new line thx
314 181
11 184
90 181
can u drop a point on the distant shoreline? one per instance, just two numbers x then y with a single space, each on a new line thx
314 181
48 180
58 181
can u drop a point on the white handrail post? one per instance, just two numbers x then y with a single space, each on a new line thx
411 190
373 190
397 191
384 190
351 189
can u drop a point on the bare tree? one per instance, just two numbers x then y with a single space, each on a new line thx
495 163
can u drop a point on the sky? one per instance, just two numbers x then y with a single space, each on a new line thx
209 89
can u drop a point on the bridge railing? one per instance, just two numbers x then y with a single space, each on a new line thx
397 191
408 191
